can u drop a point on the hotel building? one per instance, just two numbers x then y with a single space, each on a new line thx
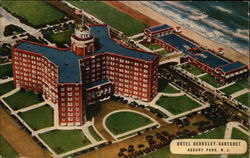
223 69
94 68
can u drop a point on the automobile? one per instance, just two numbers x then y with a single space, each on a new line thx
4 77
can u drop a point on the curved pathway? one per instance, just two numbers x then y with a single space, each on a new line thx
110 106
131 131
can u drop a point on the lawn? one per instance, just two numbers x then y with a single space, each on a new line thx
164 87
217 133
94 134
138 38
162 52
210 80
35 12
6 87
243 82
192 69
23 99
178 104
62 37
243 99
6 70
236 134
111 16
39 118
150 46
62 141
232 89
122 122
6 150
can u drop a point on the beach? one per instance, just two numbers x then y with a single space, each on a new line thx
151 18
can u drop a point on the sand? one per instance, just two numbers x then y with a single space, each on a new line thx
140 9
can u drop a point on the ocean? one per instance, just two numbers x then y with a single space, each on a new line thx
225 22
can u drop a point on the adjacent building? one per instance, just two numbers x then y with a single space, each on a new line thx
223 69
94 68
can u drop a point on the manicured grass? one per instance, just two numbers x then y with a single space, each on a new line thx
237 134
210 80
62 37
6 150
232 89
217 133
150 46
94 134
178 104
35 12
192 69
6 87
243 82
164 87
138 38
122 122
23 99
39 118
111 16
62 141
6 70
162 52
243 99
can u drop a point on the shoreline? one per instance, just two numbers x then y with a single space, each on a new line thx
150 14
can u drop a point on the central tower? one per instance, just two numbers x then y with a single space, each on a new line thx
82 42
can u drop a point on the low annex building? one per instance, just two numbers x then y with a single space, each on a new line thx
94 68
224 70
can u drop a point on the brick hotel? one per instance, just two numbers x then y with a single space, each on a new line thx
94 68
223 69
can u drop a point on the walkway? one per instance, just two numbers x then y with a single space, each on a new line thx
239 93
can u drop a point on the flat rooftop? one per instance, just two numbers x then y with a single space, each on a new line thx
232 66
108 45
158 28
182 44
67 61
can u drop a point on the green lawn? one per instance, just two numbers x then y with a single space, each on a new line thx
6 150
111 16
162 52
237 134
23 99
243 82
94 134
243 99
210 80
164 87
62 37
6 87
177 105
232 89
150 46
192 69
39 118
122 122
35 12
217 133
62 141
138 38
6 70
